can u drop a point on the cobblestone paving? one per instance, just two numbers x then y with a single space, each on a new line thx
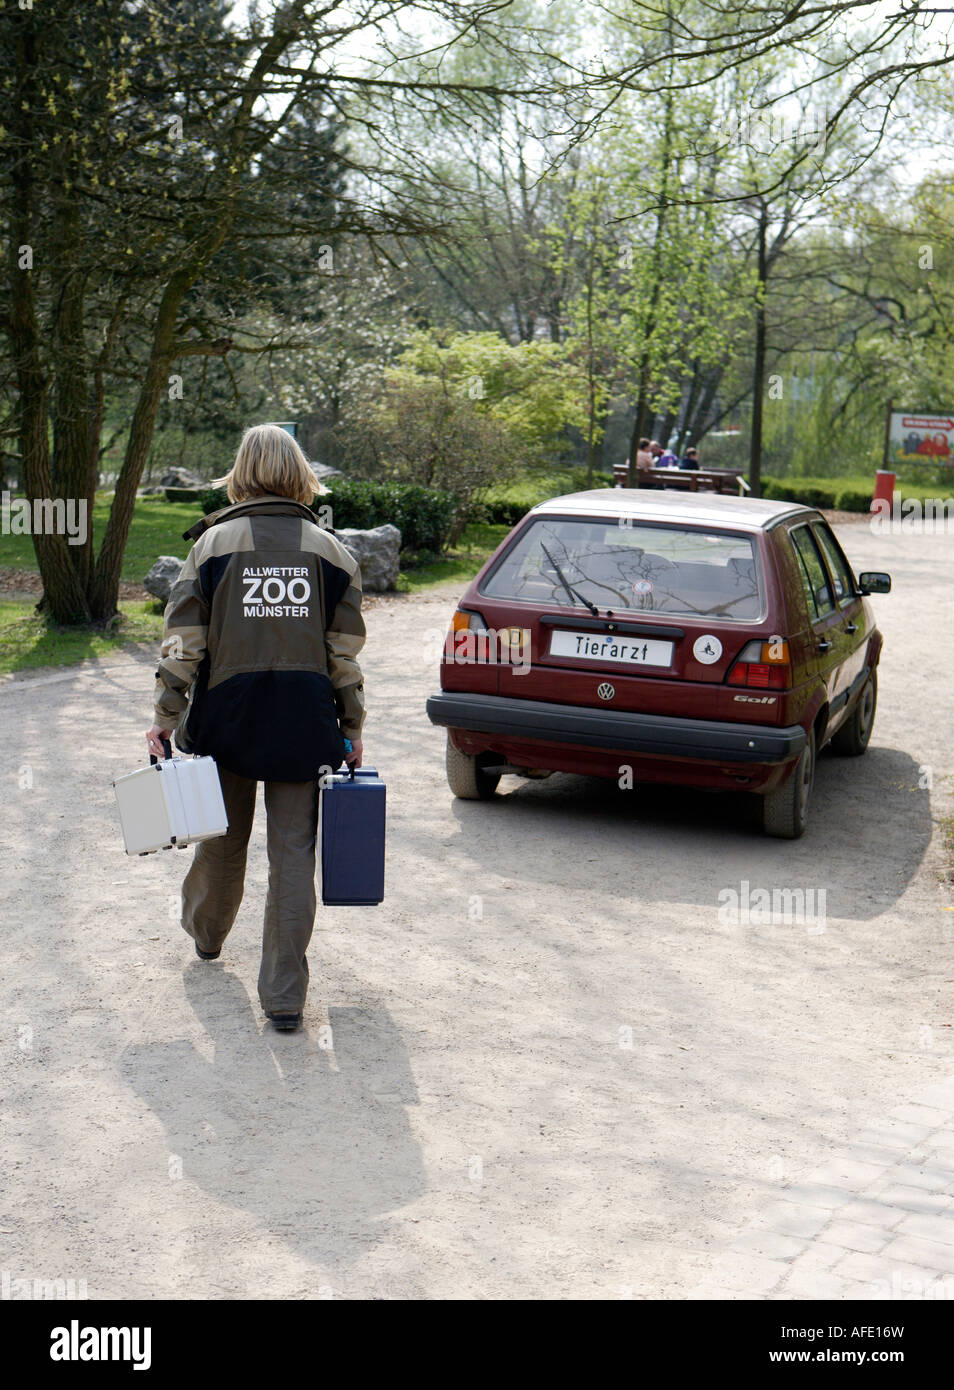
876 1220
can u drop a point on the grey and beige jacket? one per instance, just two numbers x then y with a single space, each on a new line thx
262 631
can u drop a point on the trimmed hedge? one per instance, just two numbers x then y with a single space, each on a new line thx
853 501
811 495
423 515
503 513
820 497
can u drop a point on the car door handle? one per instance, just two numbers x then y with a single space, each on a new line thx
851 627
824 646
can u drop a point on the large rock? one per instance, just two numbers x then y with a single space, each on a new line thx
377 552
182 477
162 576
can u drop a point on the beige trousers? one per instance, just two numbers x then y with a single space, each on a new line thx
213 887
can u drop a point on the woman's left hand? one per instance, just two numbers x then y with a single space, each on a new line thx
154 737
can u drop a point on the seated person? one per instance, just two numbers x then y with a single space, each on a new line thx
690 459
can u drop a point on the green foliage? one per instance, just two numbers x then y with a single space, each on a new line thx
477 543
500 512
508 505
533 389
213 500
423 515
419 431
798 491
854 500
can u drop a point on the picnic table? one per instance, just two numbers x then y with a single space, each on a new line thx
723 480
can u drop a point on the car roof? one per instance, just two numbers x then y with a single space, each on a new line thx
706 508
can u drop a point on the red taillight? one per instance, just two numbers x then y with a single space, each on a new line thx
762 666
754 674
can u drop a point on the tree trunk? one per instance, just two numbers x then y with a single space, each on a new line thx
666 426
758 369
700 419
649 322
694 387
72 466
104 589
64 597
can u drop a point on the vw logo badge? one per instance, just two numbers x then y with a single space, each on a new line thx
605 691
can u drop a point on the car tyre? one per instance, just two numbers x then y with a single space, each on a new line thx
465 776
785 811
854 735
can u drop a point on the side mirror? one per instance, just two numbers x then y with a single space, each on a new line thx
874 582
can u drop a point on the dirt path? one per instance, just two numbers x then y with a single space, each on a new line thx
551 1071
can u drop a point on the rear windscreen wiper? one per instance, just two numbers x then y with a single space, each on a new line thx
569 587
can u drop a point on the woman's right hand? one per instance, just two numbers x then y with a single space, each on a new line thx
353 759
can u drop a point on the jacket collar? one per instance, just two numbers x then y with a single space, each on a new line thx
269 504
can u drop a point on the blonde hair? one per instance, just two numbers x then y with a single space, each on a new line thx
269 460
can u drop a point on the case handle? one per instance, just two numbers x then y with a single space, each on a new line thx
166 752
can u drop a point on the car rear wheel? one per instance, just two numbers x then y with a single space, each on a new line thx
465 776
785 811
854 735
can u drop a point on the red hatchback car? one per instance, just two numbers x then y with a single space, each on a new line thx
694 639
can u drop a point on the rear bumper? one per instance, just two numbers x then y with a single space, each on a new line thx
654 734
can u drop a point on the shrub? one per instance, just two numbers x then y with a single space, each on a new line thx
424 515
853 501
213 500
807 495
821 497
501 512
777 491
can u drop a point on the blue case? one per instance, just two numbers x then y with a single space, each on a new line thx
351 837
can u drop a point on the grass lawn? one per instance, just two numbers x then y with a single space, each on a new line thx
28 641
156 529
476 544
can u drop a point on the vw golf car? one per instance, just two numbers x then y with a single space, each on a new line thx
690 639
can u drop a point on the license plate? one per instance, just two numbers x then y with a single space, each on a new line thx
612 646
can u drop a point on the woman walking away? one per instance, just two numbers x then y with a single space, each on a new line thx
258 669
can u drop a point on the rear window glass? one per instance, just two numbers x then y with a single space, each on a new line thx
655 569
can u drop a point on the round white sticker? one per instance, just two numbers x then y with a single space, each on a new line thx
643 586
707 649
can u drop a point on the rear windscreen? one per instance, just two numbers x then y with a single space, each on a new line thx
612 564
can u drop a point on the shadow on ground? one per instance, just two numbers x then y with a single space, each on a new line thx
329 1123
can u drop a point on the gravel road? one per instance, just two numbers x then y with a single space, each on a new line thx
543 1068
